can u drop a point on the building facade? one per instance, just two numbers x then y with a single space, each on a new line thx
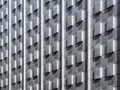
59 45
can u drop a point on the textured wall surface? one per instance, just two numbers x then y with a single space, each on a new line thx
59 45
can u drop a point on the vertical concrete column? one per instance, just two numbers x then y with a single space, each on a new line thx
24 44
89 43
42 43
9 42
63 43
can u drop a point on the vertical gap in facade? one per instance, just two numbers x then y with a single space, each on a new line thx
62 42
41 43
88 43
24 44
9 41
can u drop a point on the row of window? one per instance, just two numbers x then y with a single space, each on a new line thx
71 40
79 18
110 48
32 73
30 9
3 32
3 68
4 13
4 27
71 3
33 57
4 41
17 18
110 25
49 13
17 33
33 24
17 63
32 40
17 48
98 74
78 79
52 49
79 59
16 3
54 66
52 31
69 62
50 85
99 4
3 2
110 71
4 54
3 82
17 78
34 87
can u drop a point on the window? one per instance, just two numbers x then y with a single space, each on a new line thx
98 6
80 78
56 28
80 37
55 65
47 50
70 60
111 22
80 16
48 85
47 32
110 46
110 3
70 41
70 3
98 51
98 28
48 68
56 83
55 47
98 73
70 80
56 10
111 71
80 57
70 21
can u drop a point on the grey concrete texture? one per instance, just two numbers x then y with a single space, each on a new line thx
44 45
